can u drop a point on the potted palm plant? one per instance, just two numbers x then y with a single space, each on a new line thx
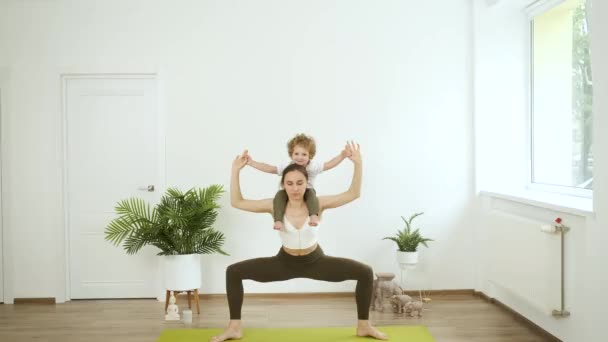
408 240
180 226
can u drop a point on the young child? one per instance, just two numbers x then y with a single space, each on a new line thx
301 150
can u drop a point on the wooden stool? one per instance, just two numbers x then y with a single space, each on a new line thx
196 299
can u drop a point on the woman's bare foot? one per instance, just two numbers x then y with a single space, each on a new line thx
233 332
364 328
314 220
278 225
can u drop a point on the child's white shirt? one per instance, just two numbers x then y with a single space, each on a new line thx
313 168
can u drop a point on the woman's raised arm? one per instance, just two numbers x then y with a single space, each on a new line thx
354 191
236 197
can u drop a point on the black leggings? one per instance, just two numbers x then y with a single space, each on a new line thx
283 266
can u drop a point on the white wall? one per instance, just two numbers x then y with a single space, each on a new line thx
500 90
500 73
394 75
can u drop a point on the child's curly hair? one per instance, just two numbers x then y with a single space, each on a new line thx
304 141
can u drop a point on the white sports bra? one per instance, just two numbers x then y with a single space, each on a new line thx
302 238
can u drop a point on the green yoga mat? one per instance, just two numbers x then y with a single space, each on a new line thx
395 333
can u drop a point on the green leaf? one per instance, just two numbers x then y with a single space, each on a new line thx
181 223
406 239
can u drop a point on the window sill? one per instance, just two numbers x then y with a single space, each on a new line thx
579 206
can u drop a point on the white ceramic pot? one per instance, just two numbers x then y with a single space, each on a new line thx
182 272
407 258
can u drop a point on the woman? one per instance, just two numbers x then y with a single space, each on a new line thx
300 256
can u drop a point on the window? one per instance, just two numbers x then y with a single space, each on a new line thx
561 101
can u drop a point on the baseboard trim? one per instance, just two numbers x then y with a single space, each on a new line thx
455 292
47 301
303 295
338 294
549 337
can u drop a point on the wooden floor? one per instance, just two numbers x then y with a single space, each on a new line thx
450 318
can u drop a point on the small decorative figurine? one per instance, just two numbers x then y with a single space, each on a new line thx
400 303
384 288
172 310
415 307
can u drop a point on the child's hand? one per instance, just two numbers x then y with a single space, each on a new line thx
248 157
240 161
354 151
346 153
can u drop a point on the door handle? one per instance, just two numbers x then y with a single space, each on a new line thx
149 188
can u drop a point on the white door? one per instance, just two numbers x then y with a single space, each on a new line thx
1 220
112 154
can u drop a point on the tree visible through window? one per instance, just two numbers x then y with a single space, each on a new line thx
582 100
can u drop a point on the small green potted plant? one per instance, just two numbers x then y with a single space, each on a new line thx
180 226
408 240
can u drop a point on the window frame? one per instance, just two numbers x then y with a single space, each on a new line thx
533 10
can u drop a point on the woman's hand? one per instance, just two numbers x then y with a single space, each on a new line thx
353 151
240 161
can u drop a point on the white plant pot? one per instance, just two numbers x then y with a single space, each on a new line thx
406 259
182 272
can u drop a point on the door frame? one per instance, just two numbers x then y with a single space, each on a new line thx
6 268
160 141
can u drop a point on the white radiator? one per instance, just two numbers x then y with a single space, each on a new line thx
523 260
